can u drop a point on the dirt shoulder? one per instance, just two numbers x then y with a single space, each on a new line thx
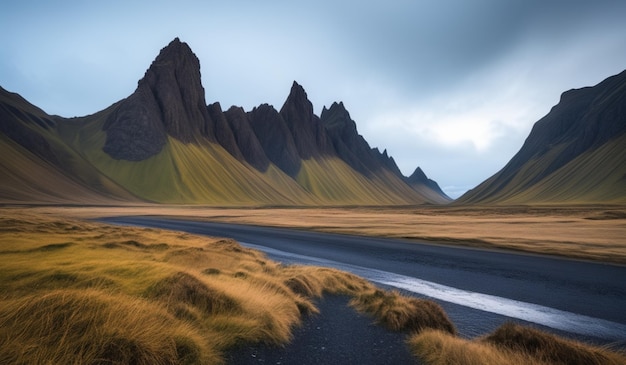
338 334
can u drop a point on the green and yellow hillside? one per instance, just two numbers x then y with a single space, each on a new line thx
576 154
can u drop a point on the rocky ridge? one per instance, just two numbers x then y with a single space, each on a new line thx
168 101
167 123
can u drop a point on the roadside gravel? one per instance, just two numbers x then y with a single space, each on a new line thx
338 335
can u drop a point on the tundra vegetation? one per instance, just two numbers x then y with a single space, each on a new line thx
74 291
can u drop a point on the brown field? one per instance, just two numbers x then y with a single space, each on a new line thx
584 232
74 291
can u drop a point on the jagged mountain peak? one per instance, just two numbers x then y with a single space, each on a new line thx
264 107
417 176
275 138
169 100
298 100
177 56
335 106
337 117
174 77
246 139
308 133
297 90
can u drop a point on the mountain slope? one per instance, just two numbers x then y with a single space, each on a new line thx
37 166
163 144
575 154
201 173
418 180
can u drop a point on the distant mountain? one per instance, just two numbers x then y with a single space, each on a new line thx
163 144
419 179
352 147
575 154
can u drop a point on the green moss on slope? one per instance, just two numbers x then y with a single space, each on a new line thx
205 173
334 182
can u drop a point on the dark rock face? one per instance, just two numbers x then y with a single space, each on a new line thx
223 133
174 78
349 144
245 138
169 100
275 138
308 133
135 130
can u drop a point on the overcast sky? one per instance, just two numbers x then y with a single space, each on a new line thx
453 86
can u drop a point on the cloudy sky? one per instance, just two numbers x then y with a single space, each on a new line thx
453 86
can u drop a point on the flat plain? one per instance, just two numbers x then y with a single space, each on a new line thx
591 232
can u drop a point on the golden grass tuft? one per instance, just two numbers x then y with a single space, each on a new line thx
434 347
510 344
313 281
185 289
402 313
91 326
550 348
304 286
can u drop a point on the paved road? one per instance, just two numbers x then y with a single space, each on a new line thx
570 295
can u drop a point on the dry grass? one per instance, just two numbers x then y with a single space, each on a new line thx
550 348
587 232
401 313
78 292
510 344
438 348
70 326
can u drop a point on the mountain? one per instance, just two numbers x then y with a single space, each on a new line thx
169 100
575 154
418 179
164 144
275 139
37 167
352 147
306 129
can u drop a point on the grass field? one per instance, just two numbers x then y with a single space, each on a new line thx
74 292
585 232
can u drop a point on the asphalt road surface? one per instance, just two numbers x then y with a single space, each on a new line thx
480 289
